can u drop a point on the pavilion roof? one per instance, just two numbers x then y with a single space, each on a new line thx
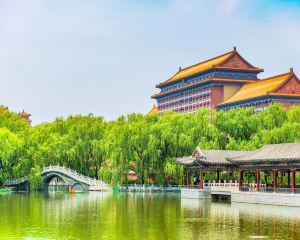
212 63
259 88
271 152
24 114
212 157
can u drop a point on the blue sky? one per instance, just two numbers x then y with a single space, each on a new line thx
62 57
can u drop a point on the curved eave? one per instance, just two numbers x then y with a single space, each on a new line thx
212 80
287 96
233 80
258 70
207 163
169 81
284 94
199 163
186 161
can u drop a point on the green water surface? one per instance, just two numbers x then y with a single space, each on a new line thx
140 216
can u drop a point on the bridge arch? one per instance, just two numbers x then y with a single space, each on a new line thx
66 176
50 177
55 182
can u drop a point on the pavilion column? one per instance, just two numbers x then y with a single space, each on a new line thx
293 179
218 175
281 178
187 178
289 178
266 178
240 179
232 175
257 179
274 179
201 179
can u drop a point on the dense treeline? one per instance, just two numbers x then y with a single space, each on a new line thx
145 144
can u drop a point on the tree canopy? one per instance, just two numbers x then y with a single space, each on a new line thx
146 144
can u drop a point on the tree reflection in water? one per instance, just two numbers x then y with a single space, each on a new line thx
140 216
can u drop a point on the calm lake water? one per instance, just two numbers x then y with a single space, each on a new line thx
140 216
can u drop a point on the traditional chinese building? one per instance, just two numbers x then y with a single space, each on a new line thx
224 82
4 109
25 116
284 88
131 175
273 168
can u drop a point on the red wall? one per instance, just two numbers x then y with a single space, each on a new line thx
217 95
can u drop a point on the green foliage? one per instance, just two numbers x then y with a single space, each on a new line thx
148 145
35 178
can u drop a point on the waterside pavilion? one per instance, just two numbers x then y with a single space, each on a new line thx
273 169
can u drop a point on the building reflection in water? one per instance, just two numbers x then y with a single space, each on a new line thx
204 218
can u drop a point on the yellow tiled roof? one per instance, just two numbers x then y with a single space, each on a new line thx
258 88
215 62
153 111
200 67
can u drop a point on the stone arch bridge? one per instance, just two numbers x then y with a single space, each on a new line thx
61 178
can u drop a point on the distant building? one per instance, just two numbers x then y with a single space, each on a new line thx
224 82
131 175
4 109
25 116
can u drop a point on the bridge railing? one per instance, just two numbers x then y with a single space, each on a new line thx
92 182
15 181
74 174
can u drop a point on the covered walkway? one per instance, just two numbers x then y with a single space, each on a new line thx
272 168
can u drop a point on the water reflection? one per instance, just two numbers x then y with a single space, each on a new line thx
240 220
140 216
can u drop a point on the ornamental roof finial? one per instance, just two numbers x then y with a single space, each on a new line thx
291 70
179 68
234 48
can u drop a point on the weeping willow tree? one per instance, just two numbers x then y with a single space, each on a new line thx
147 145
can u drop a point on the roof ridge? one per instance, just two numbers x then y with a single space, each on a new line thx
182 69
266 79
231 52
279 75
206 65
240 56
